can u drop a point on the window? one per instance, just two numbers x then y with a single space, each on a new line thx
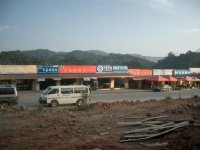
66 90
80 90
4 91
54 91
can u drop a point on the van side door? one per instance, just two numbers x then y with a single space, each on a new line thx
53 95
81 92
67 95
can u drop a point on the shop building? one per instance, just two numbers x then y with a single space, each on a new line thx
41 77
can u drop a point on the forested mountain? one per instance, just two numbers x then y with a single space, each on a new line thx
150 58
95 57
183 61
76 57
18 58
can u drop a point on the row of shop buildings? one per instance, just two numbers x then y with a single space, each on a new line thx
33 77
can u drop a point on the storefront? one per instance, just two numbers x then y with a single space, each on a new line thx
139 80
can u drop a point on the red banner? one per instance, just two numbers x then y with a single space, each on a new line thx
77 69
146 72
135 72
140 72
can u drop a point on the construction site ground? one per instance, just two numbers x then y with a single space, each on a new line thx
95 127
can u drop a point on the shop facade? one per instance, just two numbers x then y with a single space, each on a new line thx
36 78
40 77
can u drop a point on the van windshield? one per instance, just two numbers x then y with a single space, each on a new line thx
46 91
7 91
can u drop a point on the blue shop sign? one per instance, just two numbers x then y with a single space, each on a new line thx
120 69
104 68
48 69
182 72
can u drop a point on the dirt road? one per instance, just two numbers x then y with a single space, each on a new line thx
96 127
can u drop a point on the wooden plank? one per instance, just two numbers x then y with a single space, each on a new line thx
158 127
179 125
139 122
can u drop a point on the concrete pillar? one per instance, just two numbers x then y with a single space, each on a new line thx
57 82
126 85
112 83
139 84
81 82
14 83
78 81
36 85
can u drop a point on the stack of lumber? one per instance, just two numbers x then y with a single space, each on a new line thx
149 128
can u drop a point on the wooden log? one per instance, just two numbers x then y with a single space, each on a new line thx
178 125
152 118
157 144
138 122
158 127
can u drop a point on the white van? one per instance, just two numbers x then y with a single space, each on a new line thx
71 94
8 96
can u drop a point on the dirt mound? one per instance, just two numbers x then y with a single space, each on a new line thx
97 127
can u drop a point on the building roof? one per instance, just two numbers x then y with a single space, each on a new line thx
64 76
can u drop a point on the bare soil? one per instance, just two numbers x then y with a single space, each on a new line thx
96 127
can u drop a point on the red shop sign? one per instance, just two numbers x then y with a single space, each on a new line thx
77 69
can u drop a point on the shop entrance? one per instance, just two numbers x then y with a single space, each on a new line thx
104 83
119 83
92 83
67 81
24 85
46 83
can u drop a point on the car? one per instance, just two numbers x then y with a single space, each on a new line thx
162 88
8 96
59 95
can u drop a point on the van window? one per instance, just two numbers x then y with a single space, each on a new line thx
54 91
80 90
5 91
46 90
66 90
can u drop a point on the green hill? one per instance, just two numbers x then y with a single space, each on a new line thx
183 61
76 57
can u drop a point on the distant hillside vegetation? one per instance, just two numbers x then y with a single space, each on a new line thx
150 58
96 57
183 61
18 58
76 57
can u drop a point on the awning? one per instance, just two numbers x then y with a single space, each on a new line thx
196 79
157 79
189 78
171 79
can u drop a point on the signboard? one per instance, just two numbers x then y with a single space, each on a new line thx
135 72
167 71
195 70
48 69
86 79
120 69
77 69
181 72
104 68
140 72
57 79
145 72
157 72
41 79
18 69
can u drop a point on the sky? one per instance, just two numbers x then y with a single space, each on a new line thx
146 27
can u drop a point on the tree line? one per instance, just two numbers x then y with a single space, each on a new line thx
77 57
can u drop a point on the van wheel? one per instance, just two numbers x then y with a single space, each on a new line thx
54 103
4 106
79 102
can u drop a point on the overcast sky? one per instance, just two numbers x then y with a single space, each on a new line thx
147 27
